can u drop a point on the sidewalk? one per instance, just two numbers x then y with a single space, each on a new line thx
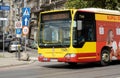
9 59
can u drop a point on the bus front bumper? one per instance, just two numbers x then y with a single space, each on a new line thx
67 58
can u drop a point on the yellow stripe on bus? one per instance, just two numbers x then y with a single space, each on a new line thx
87 57
103 17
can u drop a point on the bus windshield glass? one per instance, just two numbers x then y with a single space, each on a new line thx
55 32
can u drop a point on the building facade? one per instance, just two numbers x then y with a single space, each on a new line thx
5 19
15 13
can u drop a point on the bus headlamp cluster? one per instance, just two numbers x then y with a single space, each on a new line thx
70 55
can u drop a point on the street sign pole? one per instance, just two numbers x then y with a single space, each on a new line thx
18 27
25 44
25 22
3 43
25 36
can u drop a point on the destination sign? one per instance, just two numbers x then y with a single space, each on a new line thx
56 16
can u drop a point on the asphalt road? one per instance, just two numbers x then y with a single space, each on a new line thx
61 70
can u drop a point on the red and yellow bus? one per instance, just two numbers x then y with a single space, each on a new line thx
79 36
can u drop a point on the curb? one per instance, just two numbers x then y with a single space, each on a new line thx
12 65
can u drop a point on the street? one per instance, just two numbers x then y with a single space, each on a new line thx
60 70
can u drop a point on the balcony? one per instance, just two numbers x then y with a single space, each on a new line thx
52 4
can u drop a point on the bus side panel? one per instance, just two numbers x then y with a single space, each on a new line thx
100 45
86 57
108 34
100 38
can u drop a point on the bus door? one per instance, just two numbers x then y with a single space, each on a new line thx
83 29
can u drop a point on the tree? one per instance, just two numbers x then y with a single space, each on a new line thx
76 4
105 4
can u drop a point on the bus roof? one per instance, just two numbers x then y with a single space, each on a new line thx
55 10
99 10
93 10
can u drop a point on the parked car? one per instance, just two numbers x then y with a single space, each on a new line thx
13 46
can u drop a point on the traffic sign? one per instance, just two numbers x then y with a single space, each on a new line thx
25 30
26 12
18 24
4 7
18 30
3 18
25 16
25 21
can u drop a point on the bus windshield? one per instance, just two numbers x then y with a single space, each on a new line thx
55 33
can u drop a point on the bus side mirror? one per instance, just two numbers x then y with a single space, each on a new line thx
79 25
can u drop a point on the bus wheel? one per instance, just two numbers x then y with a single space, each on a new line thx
105 57
72 63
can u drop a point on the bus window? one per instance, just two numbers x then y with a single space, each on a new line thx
89 30
79 24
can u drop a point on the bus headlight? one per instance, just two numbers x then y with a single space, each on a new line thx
70 55
73 55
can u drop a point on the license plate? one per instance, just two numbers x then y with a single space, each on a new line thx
53 60
45 59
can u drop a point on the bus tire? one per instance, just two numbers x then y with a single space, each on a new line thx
105 57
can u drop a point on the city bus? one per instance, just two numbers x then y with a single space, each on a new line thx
79 36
